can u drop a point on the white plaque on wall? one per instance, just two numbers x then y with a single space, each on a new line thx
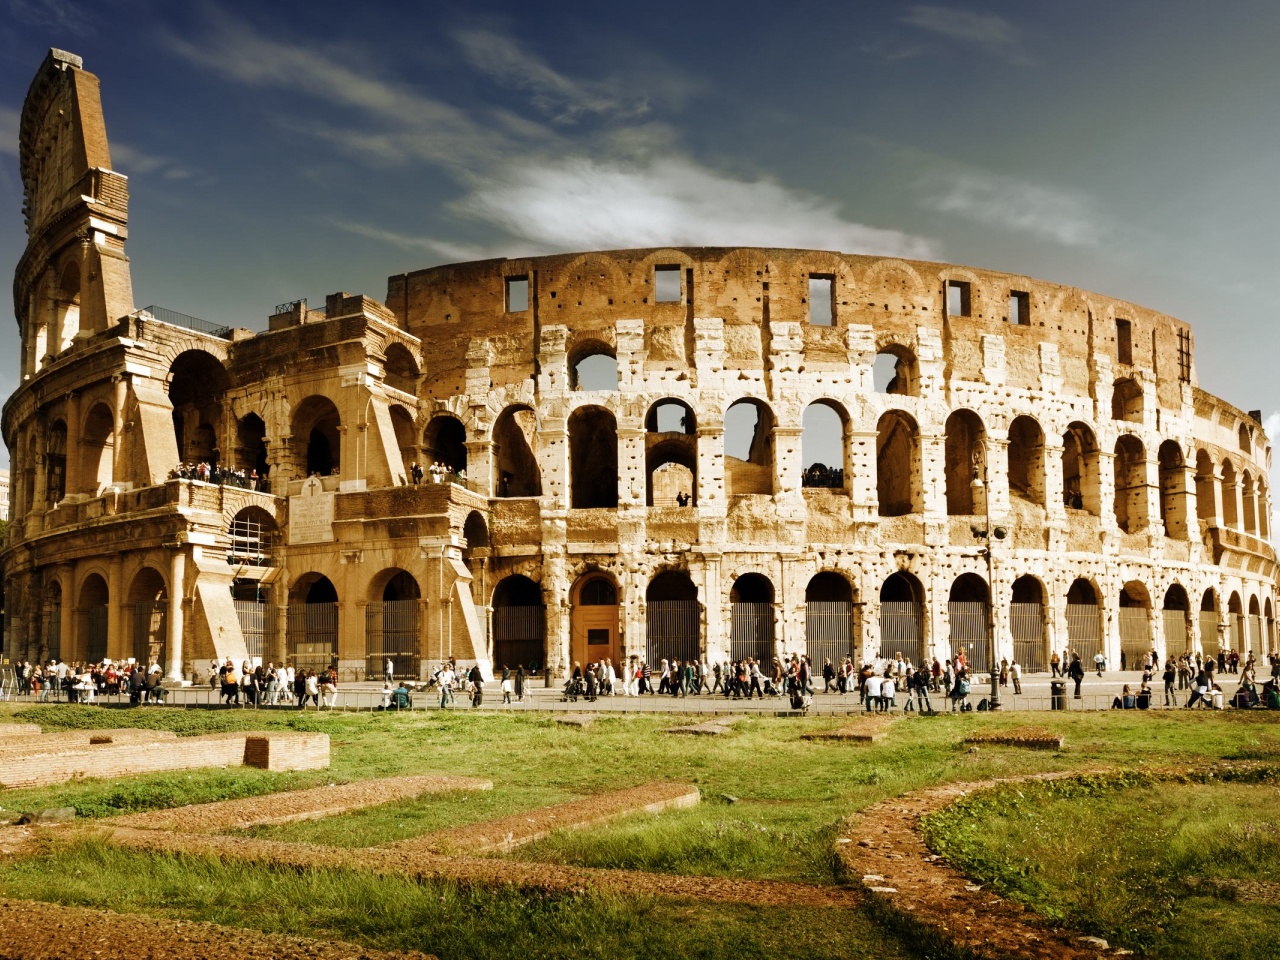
311 514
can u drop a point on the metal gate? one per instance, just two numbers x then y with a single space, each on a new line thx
1084 632
96 633
970 633
391 633
519 636
828 632
1135 635
1026 626
312 639
672 630
258 625
1176 639
902 630
1209 633
1255 634
751 632
150 628
53 636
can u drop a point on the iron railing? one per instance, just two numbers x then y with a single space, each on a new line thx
96 633
902 630
1026 627
970 633
1135 635
1177 638
1084 632
312 637
828 631
1209 633
519 636
751 632
672 630
175 319
150 629
258 625
391 633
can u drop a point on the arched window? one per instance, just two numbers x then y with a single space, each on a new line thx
1173 490
251 445
1026 461
1080 477
97 450
400 370
902 617
965 435
197 385
897 465
593 458
1126 400
1131 484
519 623
593 366
1027 624
1230 496
895 371
316 437
516 472
751 619
671 454
823 446
55 463
748 447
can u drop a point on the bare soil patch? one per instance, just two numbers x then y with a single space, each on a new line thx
510 832
46 931
1032 738
862 730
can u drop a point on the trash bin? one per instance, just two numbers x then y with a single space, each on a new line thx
1057 694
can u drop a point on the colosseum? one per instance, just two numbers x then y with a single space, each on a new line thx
667 452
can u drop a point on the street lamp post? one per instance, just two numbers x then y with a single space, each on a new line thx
980 484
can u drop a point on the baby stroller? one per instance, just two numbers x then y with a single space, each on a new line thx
573 689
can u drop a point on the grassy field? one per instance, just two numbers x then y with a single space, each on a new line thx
771 804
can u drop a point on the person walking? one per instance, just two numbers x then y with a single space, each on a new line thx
1170 675
1076 672
1100 662
388 670
1015 674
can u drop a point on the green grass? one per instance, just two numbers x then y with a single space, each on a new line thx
1121 857
771 802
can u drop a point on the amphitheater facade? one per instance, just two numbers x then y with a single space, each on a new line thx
676 452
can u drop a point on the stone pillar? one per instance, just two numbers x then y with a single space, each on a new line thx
787 461
1151 493
861 478
632 479
1106 487
279 463
553 461
711 496
932 498
479 466
177 610
120 390
997 487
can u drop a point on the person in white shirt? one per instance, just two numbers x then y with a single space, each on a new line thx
445 678
1015 674
888 694
872 688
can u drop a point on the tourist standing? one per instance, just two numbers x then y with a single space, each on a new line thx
1076 672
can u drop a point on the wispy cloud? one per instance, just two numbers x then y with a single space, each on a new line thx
583 202
1010 203
565 99
991 33
412 244
59 15
131 162
9 120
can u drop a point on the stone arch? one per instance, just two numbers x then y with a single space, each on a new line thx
1134 617
1131 484
51 622
969 617
1235 622
253 533
476 532
1230 496
593 365
1173 490
1245 437
317 436
1206 489
406 434
1026 460
671 454
1176 616
1127 400
55 463
1081 488
1028 606
147 616
902 617
91 619
824 445
312 634
1249 503
895 283
516 472
673 617
751 621
198 383
519 623
831 626
593 628
444 441
965 444
66 308
400 368
895 371
749 447
251 445
392 623
97 449
898 470
593 458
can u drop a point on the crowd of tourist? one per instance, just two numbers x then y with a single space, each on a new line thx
438 472
212 473
84 682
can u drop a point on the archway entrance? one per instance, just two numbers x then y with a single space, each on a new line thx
1209 624
1026 625
967 609
673 624
1084 623
593 624
902 617
313 623
148 614
751 619
391 625
519 624
828 623
92 616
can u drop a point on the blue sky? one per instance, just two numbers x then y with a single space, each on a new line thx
291 149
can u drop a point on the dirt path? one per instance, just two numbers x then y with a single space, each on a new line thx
45 931
293 805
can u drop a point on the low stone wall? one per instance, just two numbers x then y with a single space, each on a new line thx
43 765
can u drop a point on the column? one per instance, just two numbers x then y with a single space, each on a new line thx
118 647
177 591
72 482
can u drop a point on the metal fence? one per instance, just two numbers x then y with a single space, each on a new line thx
519 636
391 633
970 633
751 632
1084 632
53 636
672 630
258 625
1026 627
150 627
249 544
1135 635
1177 639
1209 633
902 630
828 631
312 638
1255 634
96 630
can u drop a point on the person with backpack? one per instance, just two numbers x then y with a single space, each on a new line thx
1076 672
